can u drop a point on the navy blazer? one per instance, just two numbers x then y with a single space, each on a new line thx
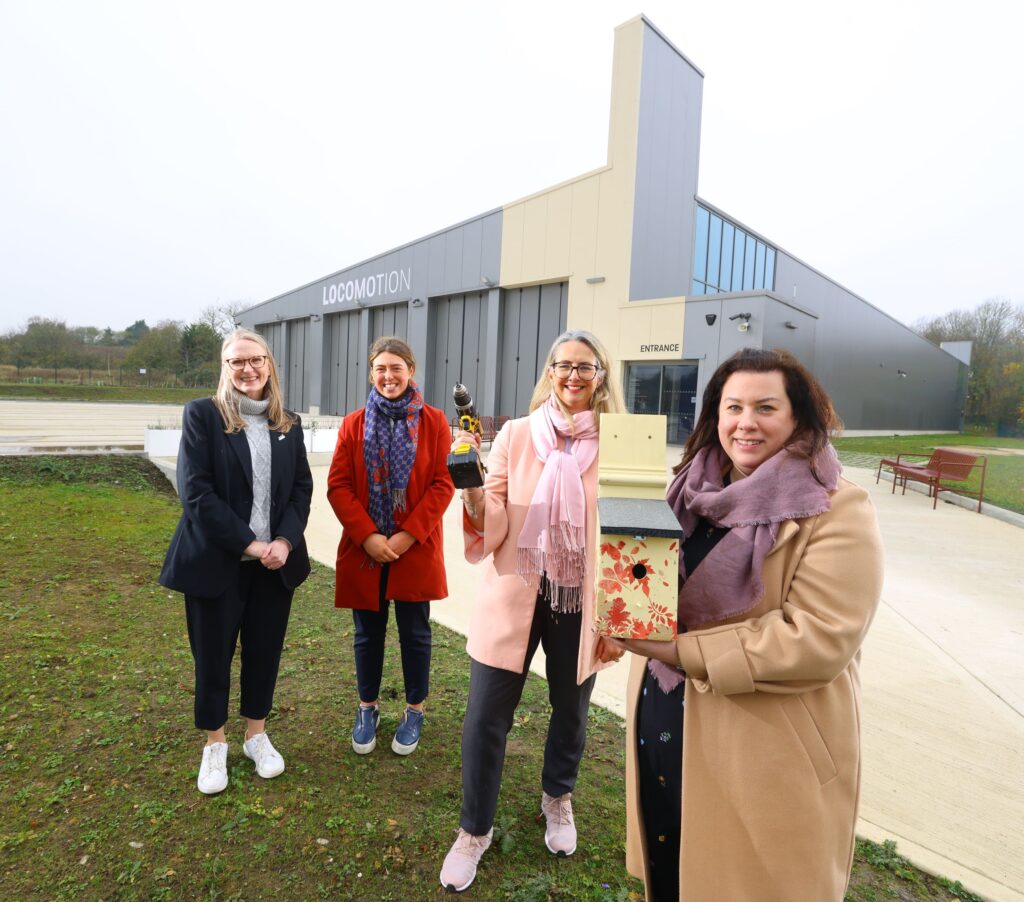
215 485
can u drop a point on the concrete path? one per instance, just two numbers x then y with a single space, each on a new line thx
76 425
943 675
943 663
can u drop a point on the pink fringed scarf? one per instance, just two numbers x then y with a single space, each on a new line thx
553 539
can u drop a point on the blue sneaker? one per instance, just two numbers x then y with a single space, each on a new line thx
364 733
407 736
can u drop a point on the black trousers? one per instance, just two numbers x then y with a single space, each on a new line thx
494 695
255 607
659 756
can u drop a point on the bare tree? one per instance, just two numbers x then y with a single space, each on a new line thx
995 394
221 317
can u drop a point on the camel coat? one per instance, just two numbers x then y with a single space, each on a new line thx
503 611
771 733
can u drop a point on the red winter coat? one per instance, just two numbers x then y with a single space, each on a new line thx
418 575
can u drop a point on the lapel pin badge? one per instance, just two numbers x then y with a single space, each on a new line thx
280 438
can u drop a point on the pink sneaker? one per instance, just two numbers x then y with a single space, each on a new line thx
560 833
459 868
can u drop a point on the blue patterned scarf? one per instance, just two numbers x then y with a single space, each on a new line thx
390 436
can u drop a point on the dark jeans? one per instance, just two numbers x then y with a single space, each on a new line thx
414 638
494 695
659 740
255 607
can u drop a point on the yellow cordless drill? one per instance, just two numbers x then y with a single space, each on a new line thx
464 463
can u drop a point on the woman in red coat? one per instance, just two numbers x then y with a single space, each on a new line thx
389 487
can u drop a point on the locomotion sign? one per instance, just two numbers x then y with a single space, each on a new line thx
391 283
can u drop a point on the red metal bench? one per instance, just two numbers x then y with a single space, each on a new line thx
943 467
489 427
487 430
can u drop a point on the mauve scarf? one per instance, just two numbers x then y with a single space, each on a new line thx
728 581
554 535
390 436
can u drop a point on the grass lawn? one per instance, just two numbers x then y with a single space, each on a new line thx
1004 477
31 391
99 756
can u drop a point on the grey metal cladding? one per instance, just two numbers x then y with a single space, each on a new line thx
449 261
378 293
528 363
459 328
472 245
391 319
344 373
550 318
668 151
357 366
296 381
531 319
490 247
274 335
860 352
436 250
474 331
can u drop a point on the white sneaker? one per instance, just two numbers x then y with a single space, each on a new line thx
459 868
213 772
269 762
560 830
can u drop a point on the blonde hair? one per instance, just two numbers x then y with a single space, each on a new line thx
226 398
391 344
607 397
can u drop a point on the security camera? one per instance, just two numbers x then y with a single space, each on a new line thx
744 319
710 318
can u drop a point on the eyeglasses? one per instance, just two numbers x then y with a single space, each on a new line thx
587 371
238 363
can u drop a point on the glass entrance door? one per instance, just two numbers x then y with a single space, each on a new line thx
669 389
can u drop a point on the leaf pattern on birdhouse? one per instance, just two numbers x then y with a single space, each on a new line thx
636 589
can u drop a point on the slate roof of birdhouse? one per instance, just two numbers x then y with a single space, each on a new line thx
638 517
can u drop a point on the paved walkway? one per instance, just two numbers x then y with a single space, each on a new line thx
943 676
943 663
75 425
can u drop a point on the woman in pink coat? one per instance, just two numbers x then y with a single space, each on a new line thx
533 523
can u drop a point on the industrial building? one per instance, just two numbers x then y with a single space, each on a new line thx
671 283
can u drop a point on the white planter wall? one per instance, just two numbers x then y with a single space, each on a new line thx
322 440
162 442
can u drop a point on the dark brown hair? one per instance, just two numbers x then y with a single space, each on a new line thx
816 419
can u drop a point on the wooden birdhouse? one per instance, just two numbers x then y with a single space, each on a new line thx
638 535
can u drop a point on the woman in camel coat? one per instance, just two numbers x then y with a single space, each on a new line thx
766 801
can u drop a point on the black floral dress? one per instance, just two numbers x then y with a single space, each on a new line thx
659 732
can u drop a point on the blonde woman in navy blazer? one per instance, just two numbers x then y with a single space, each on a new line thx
238 552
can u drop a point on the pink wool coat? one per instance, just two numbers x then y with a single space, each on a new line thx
503 611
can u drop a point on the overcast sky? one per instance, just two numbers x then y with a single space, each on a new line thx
159 158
